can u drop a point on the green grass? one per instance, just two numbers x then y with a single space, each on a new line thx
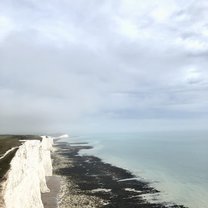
5 164
7 142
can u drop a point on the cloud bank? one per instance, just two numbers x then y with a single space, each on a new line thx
122 65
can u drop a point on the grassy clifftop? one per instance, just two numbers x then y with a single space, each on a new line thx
6 143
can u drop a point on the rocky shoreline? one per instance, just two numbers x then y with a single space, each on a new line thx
86 181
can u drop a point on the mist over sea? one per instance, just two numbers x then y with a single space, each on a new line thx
176 163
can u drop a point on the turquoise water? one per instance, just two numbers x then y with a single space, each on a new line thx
176 163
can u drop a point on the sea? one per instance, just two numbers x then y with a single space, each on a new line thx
175 163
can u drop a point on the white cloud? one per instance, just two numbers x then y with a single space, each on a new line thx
193 75
6 27
193 45
127 28
56 33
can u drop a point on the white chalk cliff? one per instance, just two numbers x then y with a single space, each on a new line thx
26 177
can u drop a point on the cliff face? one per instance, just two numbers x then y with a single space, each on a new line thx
26 177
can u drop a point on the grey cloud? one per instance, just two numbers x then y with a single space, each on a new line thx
67 65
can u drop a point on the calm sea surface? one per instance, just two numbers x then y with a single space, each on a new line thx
176 163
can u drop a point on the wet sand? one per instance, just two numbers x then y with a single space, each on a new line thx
50 199
90 183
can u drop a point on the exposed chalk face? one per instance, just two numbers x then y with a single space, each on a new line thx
47 143
45 151
26 177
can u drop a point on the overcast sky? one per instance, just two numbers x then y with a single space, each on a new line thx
103 65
